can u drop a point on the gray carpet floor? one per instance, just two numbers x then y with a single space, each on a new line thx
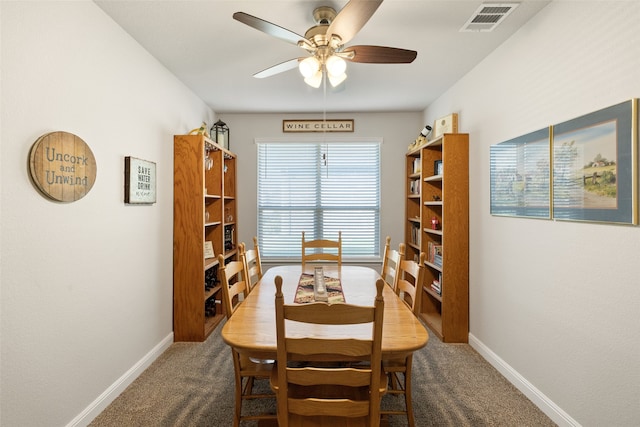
191 384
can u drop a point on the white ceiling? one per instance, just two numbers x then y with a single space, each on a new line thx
216 56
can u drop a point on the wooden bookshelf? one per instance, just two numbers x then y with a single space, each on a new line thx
443 201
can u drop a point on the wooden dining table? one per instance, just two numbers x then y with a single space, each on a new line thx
251 330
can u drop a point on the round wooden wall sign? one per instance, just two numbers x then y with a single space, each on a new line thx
62 166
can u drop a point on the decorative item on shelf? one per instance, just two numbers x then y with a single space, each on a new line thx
202 130
426 131
436 198
446 124
220 134
437 167
208 250
434 223
422 138
208 161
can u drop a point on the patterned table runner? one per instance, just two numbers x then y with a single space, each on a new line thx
304 293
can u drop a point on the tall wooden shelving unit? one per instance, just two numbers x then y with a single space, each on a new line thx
445 198
204 210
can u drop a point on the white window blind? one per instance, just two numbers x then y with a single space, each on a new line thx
321 188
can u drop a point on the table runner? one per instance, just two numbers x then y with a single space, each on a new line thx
304 293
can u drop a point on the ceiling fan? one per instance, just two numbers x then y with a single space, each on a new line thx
325 43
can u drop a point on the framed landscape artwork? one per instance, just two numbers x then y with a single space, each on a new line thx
595 166
520 176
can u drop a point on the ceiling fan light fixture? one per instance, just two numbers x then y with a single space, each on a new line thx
315 80
336 66
336 80
309 67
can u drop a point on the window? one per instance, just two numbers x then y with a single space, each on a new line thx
321 188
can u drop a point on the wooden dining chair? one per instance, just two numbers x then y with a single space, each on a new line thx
411 276
319 381
252 263
234 290
391 263
322 250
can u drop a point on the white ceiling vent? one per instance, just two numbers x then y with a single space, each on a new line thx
488 16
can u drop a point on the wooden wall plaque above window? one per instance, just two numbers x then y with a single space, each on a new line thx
332 125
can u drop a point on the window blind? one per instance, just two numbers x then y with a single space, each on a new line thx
321 188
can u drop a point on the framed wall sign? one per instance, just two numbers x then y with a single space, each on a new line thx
329 125
139 181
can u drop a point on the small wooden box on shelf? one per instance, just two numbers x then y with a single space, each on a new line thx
437 223
204 210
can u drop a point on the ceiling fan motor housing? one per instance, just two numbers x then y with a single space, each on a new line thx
324 15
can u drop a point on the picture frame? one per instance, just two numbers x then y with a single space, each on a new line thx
437 167
520 176
595 166
446 124
139 181
208 250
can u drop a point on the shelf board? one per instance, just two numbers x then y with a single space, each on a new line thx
212 223
208 294
414 196
212 196
414 245
211 323
431 292
433 178
434 322
435 203
432 231
210 262
432 265
414 219
414 175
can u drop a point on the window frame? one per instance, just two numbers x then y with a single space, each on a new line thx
373 258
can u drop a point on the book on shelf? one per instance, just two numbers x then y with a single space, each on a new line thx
415 234
434 253
414 187
436 285
417 166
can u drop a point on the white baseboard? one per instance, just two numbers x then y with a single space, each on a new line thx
97 406
545 404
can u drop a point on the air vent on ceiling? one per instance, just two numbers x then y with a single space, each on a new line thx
488 16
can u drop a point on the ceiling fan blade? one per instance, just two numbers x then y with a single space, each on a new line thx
380 55
268 28
352 18
277 69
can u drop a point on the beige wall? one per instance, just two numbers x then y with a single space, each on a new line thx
554 305
86 287
397 130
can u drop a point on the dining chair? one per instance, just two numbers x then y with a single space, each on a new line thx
322 250
391 263
234 290
411 276
335 381
252 264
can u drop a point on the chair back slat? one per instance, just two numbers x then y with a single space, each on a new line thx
234 287
338 376
411 277
331 250
252 264
391 263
